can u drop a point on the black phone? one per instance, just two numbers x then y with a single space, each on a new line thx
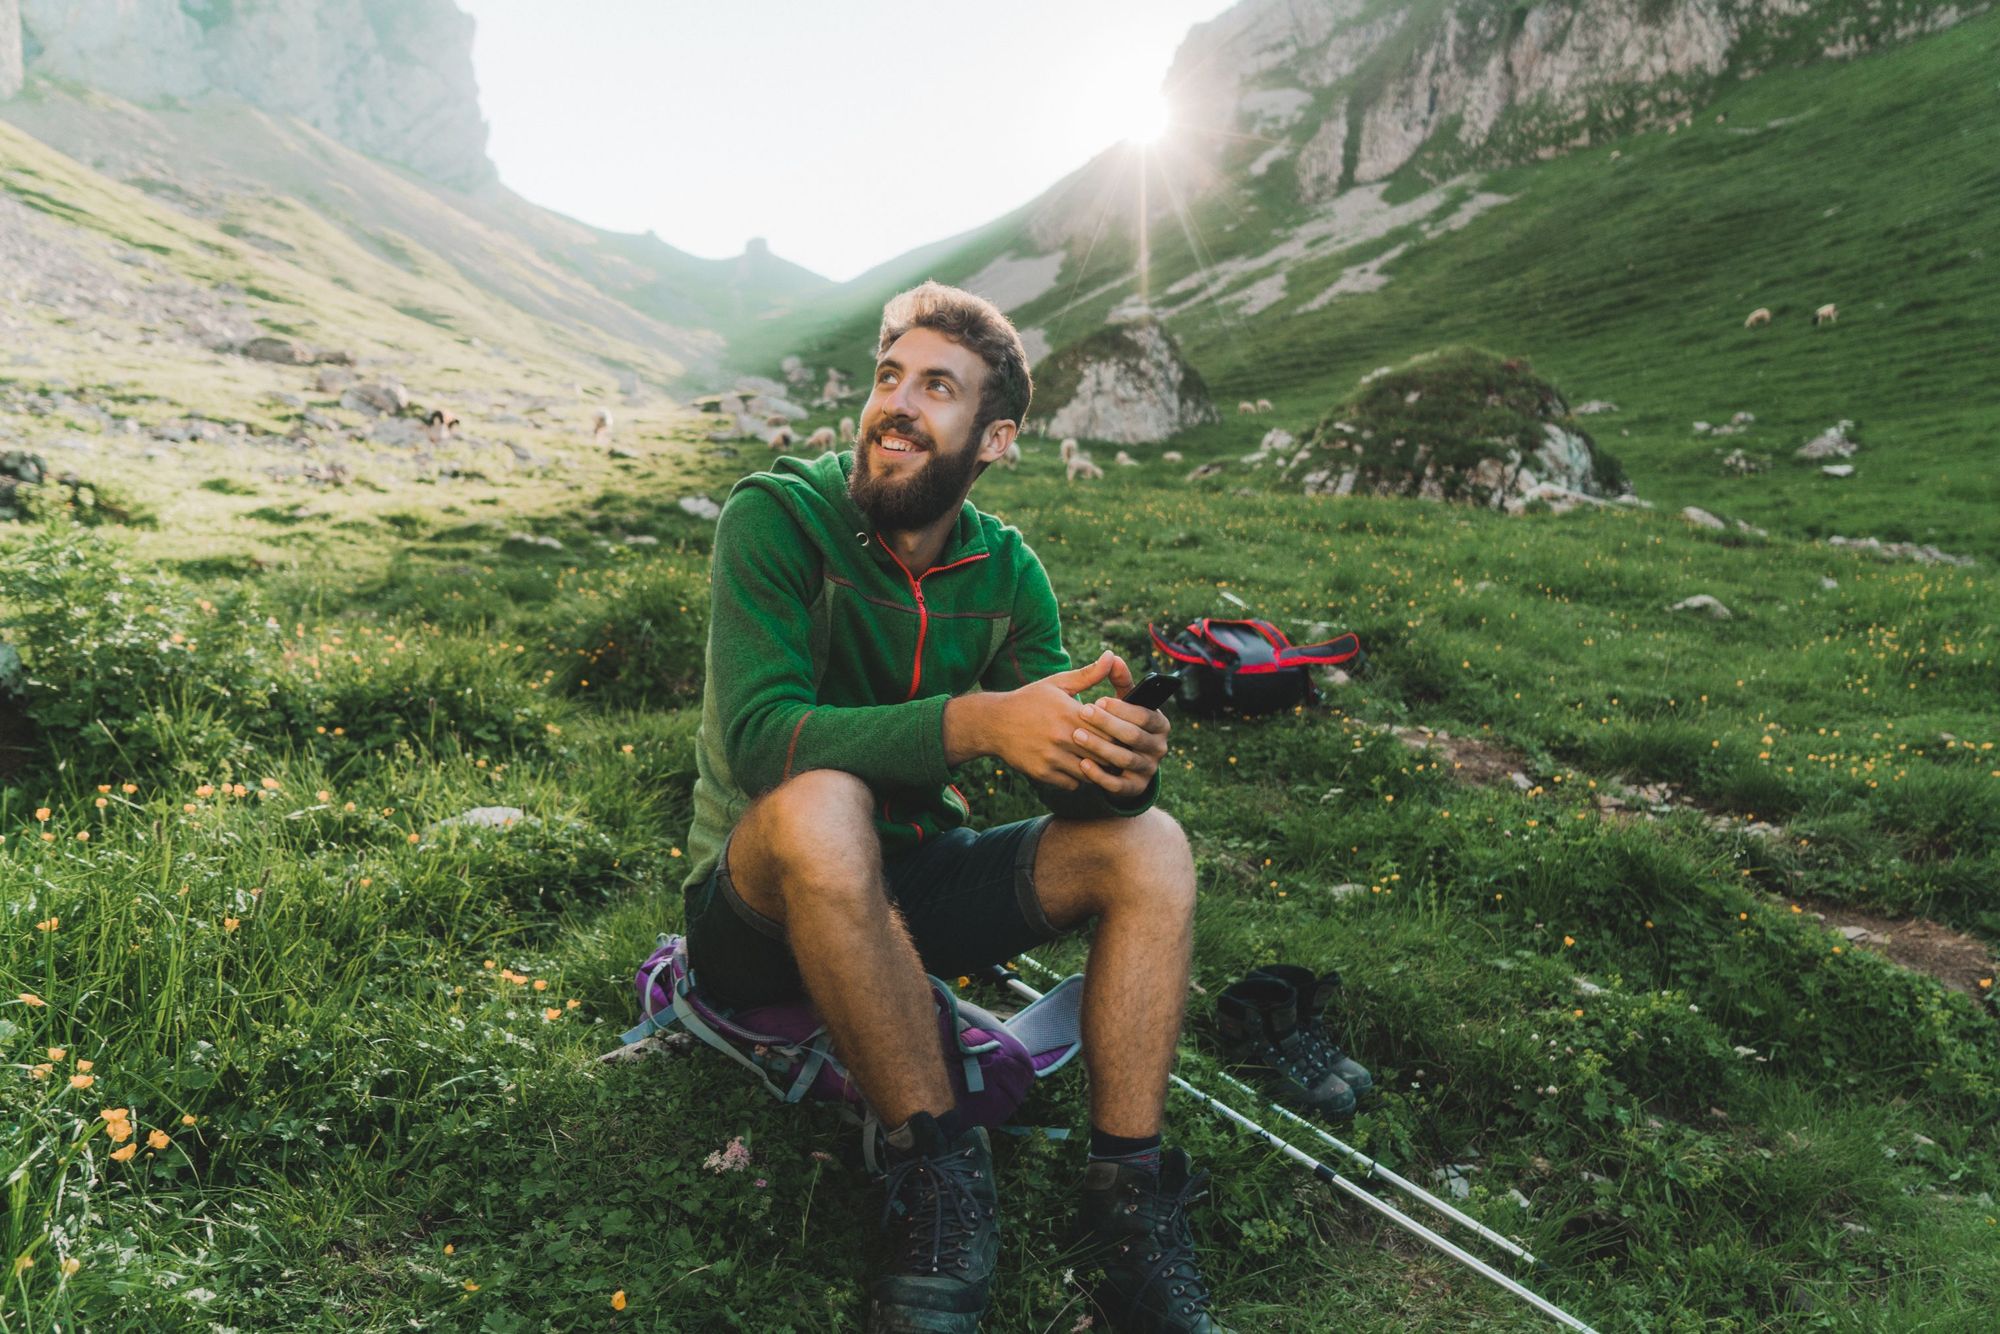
1154 691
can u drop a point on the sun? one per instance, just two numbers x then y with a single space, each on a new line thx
1146 119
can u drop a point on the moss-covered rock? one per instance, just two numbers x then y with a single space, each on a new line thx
1460 424
1127 384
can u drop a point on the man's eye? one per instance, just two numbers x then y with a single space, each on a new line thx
940 384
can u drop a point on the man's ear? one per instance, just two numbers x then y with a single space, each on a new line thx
999 435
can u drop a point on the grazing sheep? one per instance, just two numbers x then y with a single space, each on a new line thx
776 419
1245 408
1077 463
1758 318
600 427
846 429
1171 456
1125 460
821 440
1012 458
780 440
1263 405
441 426
1826 314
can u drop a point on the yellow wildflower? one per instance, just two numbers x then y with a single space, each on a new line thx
158 1140
618 1300
124 1155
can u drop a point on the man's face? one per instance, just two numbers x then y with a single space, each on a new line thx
916 458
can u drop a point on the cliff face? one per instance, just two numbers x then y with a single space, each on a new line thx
391 78
1354 90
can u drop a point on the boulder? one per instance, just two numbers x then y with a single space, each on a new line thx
1701 518
1835 442
1705 605
375 398
1126 384
283 351
1838 469
1460 425
333 379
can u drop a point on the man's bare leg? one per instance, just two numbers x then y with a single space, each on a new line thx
1137 878
806 855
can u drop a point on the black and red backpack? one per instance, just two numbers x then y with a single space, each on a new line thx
1249 666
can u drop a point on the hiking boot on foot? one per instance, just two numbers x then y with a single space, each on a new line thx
1313 993
1259 1019
942 1225
1135 1224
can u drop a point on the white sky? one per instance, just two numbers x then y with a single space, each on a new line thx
845 132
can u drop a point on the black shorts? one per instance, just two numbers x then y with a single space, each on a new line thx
968 898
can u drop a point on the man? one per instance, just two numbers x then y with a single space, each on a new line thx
857 601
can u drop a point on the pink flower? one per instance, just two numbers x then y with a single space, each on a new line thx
732 1157
761 1183
821 1156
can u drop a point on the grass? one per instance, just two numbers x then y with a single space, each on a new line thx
367 1038
302 967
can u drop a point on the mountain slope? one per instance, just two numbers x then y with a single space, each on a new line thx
1624 270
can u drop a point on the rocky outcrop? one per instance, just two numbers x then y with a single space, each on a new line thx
1126 384
392 78
1473 81
1460 425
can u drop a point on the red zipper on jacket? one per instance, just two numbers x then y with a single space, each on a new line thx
923 612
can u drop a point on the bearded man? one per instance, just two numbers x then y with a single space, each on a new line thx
870 632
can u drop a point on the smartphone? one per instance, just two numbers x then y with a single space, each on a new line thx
1155 690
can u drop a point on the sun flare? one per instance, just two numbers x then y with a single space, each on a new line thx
1147 119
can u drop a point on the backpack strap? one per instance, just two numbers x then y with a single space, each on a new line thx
653 1021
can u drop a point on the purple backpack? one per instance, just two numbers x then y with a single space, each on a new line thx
788 1048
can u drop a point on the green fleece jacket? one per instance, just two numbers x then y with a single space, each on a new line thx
825 652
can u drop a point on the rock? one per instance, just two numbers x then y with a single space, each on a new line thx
486 817
619 453
1593 408
1706 605
701 507
283 351
1742 464
395 431
1347 891
533 540
1126 384
1836 442
286 400
1702 428
1827 584
392 81
1521 781
1701 518
1857 933
1204 470
1586 987
333 379
1377 443
375 398
641 540
1922 554
1838 469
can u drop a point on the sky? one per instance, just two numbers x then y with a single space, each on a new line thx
844 132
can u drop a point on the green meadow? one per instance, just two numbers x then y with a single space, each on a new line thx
284 1048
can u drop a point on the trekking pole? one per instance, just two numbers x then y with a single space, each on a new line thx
1360 1159
1341 1183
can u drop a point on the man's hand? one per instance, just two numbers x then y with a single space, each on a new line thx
1043 731
1115 735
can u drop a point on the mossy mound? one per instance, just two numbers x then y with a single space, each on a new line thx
1460 424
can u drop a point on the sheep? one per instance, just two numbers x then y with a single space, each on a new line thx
1245 408
776 419
1125 460
1077 463
441 426
780 440
846 429
1758 318
1171 456
821 440
1826 314
1263 405
600 427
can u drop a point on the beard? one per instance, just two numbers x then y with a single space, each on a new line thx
933 489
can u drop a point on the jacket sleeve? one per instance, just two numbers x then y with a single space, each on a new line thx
764 575
1032 650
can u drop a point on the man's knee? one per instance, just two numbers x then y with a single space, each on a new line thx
1142 859
812 834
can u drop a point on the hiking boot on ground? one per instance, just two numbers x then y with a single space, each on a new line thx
1134 1223
1259 1019
942 1227
1314 993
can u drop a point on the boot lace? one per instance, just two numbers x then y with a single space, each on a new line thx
1168 1267
933 1230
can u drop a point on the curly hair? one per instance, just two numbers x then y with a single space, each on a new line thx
974 323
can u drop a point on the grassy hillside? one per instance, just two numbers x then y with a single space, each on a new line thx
1701 1004
1628 278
